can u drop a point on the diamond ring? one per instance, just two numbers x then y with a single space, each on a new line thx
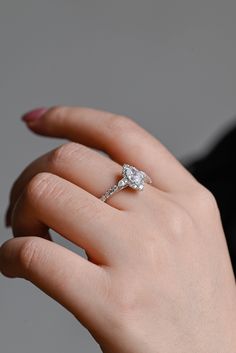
132 177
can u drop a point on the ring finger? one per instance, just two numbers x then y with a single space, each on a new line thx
81 166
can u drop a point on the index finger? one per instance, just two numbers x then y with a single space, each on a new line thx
120 137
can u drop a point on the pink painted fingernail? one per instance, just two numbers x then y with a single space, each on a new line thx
34 115
8 217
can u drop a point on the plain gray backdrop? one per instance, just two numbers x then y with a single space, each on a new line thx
168 64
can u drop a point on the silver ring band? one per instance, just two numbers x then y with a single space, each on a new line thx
132 177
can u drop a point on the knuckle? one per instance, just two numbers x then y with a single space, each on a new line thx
58 113
205 200
119 124
29 255
66 151
39 187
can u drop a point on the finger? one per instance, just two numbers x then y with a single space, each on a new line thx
63 275
119 137
79 165
50 201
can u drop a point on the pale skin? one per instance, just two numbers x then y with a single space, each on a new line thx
158 278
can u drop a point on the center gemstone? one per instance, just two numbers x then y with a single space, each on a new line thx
133 175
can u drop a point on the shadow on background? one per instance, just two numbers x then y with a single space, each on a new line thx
216 171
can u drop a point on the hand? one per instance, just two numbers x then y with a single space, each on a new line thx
158 276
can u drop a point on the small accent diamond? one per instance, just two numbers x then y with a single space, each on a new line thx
122 183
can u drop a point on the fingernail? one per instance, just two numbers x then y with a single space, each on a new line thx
34 115
8 217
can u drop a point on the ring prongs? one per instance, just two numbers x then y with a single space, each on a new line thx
132 177
135 178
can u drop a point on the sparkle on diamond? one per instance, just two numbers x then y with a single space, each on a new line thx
133 175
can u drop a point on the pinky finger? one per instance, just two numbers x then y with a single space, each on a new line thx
63 275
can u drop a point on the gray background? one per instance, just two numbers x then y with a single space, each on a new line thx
169 64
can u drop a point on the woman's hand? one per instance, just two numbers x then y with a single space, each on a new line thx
158 276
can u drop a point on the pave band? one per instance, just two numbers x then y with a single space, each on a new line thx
132 177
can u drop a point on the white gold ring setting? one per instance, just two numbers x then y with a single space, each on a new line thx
132 177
